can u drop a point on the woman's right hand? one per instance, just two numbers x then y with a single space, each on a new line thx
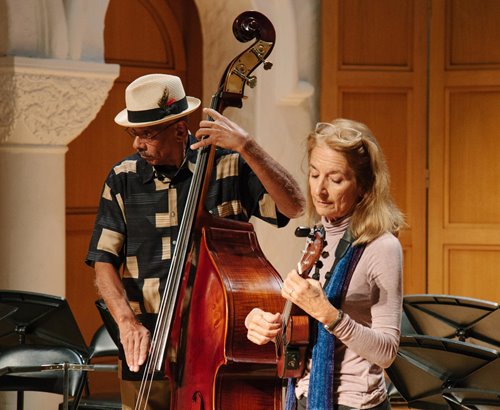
262 326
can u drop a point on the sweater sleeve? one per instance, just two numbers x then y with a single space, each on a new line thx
371 326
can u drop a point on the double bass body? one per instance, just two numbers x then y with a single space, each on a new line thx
220 277
216 366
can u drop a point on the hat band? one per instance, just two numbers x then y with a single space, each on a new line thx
155 114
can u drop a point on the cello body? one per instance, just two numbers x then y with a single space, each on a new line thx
220 368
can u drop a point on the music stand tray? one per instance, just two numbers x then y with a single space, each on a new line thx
6 310
39 319
473 399
465 319
425 365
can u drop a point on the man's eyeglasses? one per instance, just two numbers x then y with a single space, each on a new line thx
147 134
343 133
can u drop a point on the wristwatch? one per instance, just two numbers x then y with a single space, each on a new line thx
331 326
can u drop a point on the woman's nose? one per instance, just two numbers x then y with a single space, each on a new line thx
320 187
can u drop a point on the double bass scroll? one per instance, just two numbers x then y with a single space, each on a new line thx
246 27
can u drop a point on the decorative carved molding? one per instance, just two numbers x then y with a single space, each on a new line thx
50 102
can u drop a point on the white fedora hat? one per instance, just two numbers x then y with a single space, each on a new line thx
154 99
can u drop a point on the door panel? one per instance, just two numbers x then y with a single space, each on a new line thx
374 71
464 130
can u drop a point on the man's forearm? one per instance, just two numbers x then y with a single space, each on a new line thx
278 182
110 288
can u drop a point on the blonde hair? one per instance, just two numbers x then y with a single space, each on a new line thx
376 213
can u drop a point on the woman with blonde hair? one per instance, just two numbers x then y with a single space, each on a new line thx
357 300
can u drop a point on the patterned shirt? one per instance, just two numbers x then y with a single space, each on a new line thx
139 215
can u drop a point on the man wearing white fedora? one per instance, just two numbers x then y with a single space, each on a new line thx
143 200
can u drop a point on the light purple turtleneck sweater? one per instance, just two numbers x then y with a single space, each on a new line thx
368 335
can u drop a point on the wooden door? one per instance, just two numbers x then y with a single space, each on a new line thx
464 134
425 76
373 70
146 36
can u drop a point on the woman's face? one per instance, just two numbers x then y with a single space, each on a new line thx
332 182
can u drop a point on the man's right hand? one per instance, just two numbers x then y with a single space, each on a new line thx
136 340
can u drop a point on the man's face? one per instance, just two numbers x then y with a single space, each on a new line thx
162 144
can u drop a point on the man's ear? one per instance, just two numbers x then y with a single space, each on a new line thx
181 130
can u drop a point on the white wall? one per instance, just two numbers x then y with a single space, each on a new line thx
280 111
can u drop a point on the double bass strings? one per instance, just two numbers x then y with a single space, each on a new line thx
168 301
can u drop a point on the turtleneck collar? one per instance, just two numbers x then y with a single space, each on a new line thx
334 228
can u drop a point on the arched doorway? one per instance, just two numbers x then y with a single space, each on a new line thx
146 36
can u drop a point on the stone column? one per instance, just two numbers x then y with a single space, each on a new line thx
44 104
53 82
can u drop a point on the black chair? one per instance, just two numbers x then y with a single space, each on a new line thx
108 321
39 368
101 346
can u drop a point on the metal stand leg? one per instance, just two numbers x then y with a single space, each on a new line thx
65 386
20 400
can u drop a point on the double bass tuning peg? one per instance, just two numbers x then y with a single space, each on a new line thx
258 53
251 80
267 65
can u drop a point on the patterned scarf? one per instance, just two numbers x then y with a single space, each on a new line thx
320 394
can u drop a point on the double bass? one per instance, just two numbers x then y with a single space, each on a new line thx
218 274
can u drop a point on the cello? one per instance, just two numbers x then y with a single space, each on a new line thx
218 274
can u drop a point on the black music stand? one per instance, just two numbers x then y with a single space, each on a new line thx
38 319
472 399
465 319
425 366
6 310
